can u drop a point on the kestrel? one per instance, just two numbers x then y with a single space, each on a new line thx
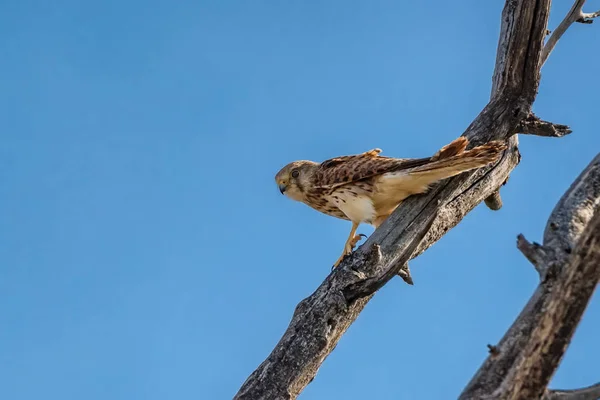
367 187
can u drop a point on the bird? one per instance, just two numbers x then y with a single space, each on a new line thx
368 187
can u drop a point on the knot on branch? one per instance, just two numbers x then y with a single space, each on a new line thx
404 273
494 201
493 350
365 278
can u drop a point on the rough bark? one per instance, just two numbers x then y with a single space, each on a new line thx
532 125
322 318
522 364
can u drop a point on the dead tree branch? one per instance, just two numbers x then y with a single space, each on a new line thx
322 318
535 253
569 266
587 18
576 14
588 393
532 125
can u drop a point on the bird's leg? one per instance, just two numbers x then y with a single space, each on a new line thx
379 220
353 238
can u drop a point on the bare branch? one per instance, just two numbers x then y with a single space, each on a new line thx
526 358
377 274
535 253
588 393
575 208
532 125
575 14
532 348
321 319
588 18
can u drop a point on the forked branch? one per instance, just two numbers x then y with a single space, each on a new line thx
535 253
588 393
321 319
576 14
532 125
588 18
569 266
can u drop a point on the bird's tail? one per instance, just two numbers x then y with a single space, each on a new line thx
453 159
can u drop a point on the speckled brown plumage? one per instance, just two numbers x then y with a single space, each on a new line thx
368 187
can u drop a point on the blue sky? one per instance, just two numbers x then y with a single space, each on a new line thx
145 251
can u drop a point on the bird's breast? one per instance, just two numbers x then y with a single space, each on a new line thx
322 201
351 202
355 204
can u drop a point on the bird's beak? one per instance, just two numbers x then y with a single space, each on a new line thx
282 187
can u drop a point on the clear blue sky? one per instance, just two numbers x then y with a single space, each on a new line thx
145 251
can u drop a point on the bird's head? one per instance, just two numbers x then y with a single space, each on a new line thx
295 178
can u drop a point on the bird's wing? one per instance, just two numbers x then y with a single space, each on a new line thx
346 169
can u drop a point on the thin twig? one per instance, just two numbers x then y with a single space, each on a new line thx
575 14
535 253
587 393
320 320
588 18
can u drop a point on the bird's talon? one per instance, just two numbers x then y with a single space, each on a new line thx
355 240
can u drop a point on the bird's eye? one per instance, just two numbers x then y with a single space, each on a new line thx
295 173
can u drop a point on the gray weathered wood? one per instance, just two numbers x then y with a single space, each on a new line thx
569 217
587 393
527 356
535 253
532 125
576 14
321 319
